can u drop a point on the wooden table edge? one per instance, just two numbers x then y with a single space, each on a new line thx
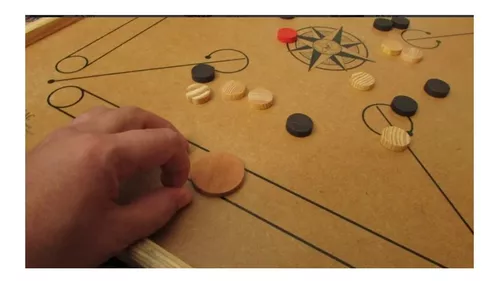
148 254
44 27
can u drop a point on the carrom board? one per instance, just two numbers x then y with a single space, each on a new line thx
337 198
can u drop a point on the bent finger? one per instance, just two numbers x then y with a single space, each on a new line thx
94 113
139 150
125 119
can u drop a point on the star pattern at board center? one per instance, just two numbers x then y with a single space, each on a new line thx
329 47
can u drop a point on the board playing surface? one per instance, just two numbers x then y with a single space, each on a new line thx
337 198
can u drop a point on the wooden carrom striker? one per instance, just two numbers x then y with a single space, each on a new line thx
217 174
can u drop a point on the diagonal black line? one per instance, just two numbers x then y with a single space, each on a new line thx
64 112
144 69
102 37
348 45
307 38
441 190
126 41
440 36
346 219
335 213
289 233
378 108
433 180
337 61
303 48
319 34
347 55
199 146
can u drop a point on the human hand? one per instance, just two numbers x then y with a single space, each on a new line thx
72 183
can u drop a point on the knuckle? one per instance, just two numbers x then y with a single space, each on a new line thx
93 146
90 140
56 134
82 118
89 115
133 110
174 137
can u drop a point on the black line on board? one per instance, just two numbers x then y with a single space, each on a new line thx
432 179
289 233
102 36
437 42
151 26
440 36
82 91
346 219
285 189
199 146
296 237
209 56
86 60
378 108
68 114
410 132
140 70
87 63
334 213
441 190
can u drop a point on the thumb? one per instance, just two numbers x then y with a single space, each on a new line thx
150 212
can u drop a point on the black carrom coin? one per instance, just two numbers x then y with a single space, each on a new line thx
400 22
437 88
299 125
203 73
404 106
382 24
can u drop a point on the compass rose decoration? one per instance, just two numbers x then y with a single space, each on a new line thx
328 49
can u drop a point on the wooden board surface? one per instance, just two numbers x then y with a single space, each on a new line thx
334 199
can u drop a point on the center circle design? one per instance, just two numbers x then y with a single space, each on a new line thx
327 47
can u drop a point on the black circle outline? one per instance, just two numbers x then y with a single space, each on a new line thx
410 132
209 56
362 43
72 56
438 42
82 93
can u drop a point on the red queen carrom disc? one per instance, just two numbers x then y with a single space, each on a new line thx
287 35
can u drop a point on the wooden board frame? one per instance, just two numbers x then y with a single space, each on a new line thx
44 27
144 253
202 254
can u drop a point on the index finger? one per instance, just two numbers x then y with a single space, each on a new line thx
139 150
122 119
